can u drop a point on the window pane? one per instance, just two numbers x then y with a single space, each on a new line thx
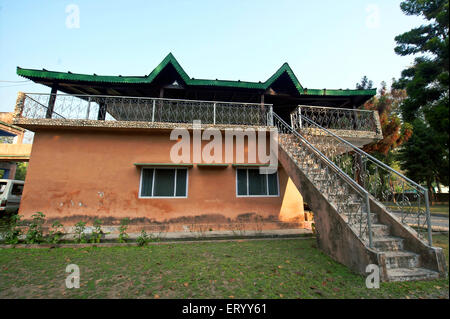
181 182
273 183
147 177
242 181
164 182
257 182
17 189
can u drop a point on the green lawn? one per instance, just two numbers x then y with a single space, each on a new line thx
242 269
439 209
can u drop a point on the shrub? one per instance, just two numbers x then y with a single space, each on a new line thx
123 236
35 233
55 233
97 231
13 231
143 239
80 227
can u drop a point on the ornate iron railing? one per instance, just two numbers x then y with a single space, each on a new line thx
348 197
118 108
400 195
339 118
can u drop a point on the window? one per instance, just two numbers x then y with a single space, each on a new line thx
163 182
249 182
17 189
2 187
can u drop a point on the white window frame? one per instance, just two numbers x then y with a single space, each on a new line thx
153 182
267 184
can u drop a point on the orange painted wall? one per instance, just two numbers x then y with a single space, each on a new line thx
81 174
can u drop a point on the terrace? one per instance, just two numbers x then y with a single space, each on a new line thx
34 110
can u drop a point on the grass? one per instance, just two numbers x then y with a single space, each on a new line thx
439 209
436 209
241 269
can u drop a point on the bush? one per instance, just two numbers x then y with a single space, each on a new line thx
143 239
97 231
56 233
80 227
123 236
13 231
35 233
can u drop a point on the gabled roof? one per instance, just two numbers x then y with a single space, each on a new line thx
34 75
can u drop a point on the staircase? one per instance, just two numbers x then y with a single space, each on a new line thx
353 226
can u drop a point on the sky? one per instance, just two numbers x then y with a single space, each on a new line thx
328 44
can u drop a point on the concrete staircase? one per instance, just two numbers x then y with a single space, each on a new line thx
344 212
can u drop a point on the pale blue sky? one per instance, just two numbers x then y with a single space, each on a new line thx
328 44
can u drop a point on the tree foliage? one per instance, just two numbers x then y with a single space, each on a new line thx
418 152
427 84
395 132
365 84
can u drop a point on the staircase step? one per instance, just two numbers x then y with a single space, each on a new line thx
401 259
380 230
407 274
388 243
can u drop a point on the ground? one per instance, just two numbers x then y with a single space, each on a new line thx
287 268
439 209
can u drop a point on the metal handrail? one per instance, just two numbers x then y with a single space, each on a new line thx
337 169
357 149
335 108
384 166
146 98
143 109
341 118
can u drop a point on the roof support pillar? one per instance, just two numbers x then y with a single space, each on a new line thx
101 111
51 101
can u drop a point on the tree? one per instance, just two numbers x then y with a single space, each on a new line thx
395 132
365 84
427 84
417 154
21 171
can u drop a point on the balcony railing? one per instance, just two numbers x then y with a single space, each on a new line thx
337 118
118 108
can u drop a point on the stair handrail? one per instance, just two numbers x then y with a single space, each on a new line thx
336 168
386 167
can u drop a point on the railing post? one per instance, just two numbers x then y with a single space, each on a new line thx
369 221
153 111
427 205
214 120
270 122
20 103
300 117
88 108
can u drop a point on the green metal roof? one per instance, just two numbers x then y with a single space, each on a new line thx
170 59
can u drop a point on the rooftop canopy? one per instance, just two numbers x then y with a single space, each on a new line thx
169 80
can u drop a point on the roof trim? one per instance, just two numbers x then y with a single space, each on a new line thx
34 74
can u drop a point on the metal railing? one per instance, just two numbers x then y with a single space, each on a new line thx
339 118
118 108
399 194
348 197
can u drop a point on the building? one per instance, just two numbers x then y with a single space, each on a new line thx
13 149
102 149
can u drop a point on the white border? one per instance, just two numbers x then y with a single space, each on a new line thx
153 182
267 184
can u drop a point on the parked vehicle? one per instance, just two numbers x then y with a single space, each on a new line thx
10 195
